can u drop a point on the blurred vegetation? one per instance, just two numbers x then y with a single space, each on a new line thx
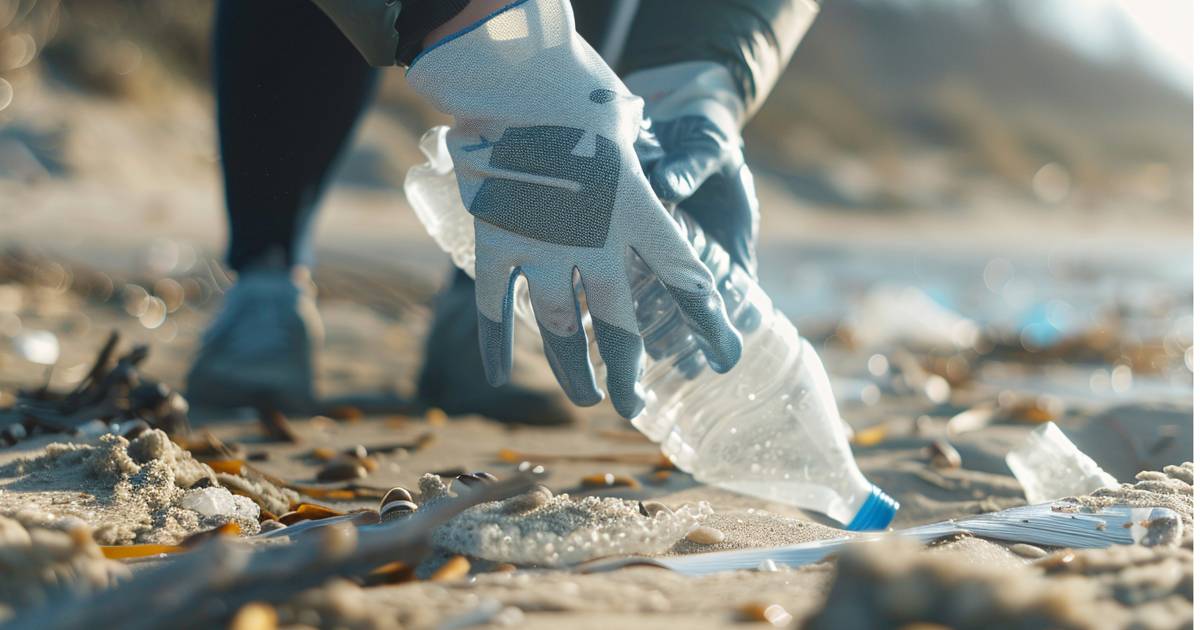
886 105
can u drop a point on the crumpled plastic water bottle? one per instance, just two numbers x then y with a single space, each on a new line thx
769 428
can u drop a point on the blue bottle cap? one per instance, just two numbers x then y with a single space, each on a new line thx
876 513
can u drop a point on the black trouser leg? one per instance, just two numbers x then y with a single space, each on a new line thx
289 90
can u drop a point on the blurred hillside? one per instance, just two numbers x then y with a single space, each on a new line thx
912 103
887 105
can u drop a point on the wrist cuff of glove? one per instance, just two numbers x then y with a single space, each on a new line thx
417 19
692 88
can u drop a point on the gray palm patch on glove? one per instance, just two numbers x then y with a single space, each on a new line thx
566 216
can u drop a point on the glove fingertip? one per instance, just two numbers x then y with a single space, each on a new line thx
495 348
671 184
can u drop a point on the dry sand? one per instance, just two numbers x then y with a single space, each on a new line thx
127 492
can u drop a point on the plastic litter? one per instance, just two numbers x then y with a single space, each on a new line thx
889 315
216 501
1050 466
1046 524
769 428
37 346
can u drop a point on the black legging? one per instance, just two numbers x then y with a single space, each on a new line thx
289 90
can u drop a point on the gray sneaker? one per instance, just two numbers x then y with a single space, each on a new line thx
260 349
452 378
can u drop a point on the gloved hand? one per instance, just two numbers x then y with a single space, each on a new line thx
542 146
696 115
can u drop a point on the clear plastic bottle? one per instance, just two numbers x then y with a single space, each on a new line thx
769 428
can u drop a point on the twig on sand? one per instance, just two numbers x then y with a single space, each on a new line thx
204 588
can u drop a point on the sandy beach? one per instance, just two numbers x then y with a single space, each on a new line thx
1114 371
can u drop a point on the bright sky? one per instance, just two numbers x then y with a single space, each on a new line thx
1164 29
1168 26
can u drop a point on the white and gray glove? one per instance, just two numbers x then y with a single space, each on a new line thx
697 117
543 147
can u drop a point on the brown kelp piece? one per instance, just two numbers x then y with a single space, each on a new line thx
114 396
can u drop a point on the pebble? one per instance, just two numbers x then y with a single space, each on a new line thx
528 501
270 526
768 566
255 616
1028 551
342 471
706 536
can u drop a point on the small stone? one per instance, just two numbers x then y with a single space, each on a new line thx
706 535
528 501
1028 551
342 471
255 616
270 526
768 566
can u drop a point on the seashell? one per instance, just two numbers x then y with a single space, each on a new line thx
942 455
342 471
609 480
475 478
773 614
396 509
1027 551
323 453
768 566
396 494
1062 560
436 417
308 512
455 568
529 501
706 535
653 508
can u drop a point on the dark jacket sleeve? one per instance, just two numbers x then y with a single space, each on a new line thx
755 39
